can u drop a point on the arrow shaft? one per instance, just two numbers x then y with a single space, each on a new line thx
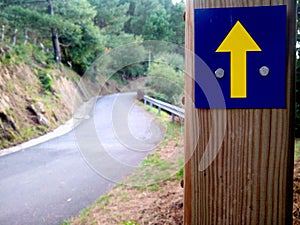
238 79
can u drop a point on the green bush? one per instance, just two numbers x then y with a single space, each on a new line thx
165 79
22 53
180 173
158 96
129 223
46 81
39 55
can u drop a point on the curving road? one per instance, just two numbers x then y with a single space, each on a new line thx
53 181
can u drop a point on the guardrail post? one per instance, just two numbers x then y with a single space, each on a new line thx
160 105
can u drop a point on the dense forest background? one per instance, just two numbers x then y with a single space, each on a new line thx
77 31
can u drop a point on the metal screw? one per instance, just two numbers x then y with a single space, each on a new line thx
264 71
220 73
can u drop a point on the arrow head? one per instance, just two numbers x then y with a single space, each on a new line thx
238 39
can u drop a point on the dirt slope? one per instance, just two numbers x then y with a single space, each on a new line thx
27 108
36 98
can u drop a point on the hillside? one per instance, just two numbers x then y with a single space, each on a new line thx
35 97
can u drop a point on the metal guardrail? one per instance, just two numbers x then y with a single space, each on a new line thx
173 110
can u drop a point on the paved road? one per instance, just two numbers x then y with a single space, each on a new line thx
53 181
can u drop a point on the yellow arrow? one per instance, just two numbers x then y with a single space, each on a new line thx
238 42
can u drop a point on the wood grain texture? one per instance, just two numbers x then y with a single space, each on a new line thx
250 181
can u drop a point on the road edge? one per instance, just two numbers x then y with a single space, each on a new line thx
81 114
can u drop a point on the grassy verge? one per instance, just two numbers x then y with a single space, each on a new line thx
166 160
297 149
133 205
128 202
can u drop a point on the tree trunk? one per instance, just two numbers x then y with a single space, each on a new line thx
55 40
3 35
15 37
25 36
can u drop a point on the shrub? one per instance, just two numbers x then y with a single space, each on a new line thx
166 80
46 81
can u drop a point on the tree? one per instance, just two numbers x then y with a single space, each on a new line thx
55 40
111 15
71 27
177 23
156 26
80 30
156 20
142 11
25 15
81 45
166 79
129 13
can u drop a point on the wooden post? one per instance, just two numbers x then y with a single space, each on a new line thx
250 180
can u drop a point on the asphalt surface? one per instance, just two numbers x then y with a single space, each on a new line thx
53 181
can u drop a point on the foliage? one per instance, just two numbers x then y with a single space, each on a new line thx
20 17
129 223
180 173
88 28
176 23
82 45
111 15
297 150
127 60
67 222
46 81
156 20
157 26
166 79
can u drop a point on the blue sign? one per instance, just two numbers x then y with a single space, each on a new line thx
240 57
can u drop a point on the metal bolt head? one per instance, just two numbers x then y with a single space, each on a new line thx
220 73
264 71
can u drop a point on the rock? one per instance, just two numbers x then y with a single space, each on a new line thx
41 107
13 125
6 98
7 123
32 109
4 50
6 74
55 117
42 120
3 105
